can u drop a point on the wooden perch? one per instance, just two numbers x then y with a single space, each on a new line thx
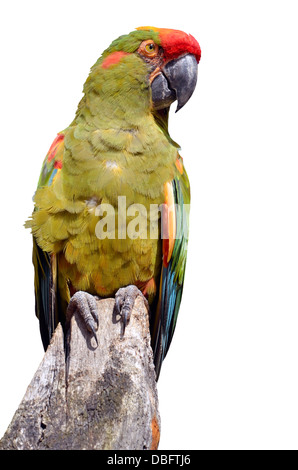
92 397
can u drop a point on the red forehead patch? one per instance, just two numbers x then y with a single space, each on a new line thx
176 43
112 59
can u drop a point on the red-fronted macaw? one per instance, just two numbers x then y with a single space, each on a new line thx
118 145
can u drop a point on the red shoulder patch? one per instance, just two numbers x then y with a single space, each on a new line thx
56 145
58 164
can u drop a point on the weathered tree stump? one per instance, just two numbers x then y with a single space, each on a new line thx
88 397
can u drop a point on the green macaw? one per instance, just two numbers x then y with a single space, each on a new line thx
118 148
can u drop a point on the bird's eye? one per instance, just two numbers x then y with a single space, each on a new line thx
148 48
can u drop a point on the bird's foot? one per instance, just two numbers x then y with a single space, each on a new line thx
85 305
124 301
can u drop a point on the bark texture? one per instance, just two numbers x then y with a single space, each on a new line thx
88 397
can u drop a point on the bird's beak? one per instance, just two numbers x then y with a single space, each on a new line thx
175 81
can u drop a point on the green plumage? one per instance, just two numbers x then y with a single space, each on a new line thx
130 42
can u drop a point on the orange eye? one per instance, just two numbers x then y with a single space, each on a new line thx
148 48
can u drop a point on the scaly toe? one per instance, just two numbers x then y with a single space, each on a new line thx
85 305
124 301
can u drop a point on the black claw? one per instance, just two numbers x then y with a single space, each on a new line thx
92 330
118 305
125 315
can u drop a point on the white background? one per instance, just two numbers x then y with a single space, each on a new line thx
230 378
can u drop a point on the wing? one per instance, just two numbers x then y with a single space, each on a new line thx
174 229
52 162
45 264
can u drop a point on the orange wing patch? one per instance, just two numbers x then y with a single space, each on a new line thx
179 164
148 288
168 224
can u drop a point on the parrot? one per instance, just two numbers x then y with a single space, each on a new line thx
116 157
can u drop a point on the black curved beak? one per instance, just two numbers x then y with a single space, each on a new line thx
176 81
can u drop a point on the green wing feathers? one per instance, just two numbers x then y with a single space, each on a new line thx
45 264
173 268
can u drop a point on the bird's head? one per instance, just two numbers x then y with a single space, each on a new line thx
149 68
172 57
